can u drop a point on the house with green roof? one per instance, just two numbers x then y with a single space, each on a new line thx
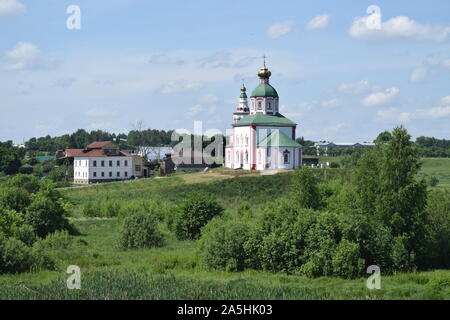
261 137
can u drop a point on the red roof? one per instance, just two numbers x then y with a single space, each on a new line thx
98 144
92 153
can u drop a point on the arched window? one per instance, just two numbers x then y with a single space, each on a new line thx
246 157
270 106
259 104
246 141
286 157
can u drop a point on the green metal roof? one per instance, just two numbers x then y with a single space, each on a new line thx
264 119
278 138
265 90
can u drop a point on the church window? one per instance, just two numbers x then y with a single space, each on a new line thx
259 105
286 158
246 141
270 106
246 157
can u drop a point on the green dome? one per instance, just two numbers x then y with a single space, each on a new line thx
265 90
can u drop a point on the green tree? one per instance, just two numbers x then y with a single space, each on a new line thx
46 215
304 189
196 211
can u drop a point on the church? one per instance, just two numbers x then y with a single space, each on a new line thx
261 137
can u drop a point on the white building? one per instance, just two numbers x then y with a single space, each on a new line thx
262 138
100 162
324 146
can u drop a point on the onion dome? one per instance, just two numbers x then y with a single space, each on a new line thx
264 73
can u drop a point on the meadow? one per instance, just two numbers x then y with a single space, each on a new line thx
173 271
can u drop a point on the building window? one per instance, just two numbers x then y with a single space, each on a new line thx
246 157
138 167
237 156
259 157
110 163
103 174
126 163
286 158
259 105
126 174
110 174
95 163
118 163
103 163
268 152
118 173
95 174
246 141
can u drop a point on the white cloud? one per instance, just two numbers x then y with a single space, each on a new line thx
429 68
380 98
334 128
194 110
393 114
100 125
399 27
333 103
26 55
98 112
319 22
438 112
209 98
418 74
11 7
225 59
359 87
167 59
179 86
280 29
445 101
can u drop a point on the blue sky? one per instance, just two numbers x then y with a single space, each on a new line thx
169 63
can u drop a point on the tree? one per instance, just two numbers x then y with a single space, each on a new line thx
304 189
387 186
195 212
46 215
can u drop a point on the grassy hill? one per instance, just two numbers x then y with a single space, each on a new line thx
173 271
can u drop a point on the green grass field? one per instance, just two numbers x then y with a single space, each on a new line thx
173 271
439 168
431 167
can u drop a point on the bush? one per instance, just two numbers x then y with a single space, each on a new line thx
16 257
10 220
346 260
28 182
46 215
196 211
25 233
91 209
14 198
58 240
140 230
433 182
334 165
222 245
